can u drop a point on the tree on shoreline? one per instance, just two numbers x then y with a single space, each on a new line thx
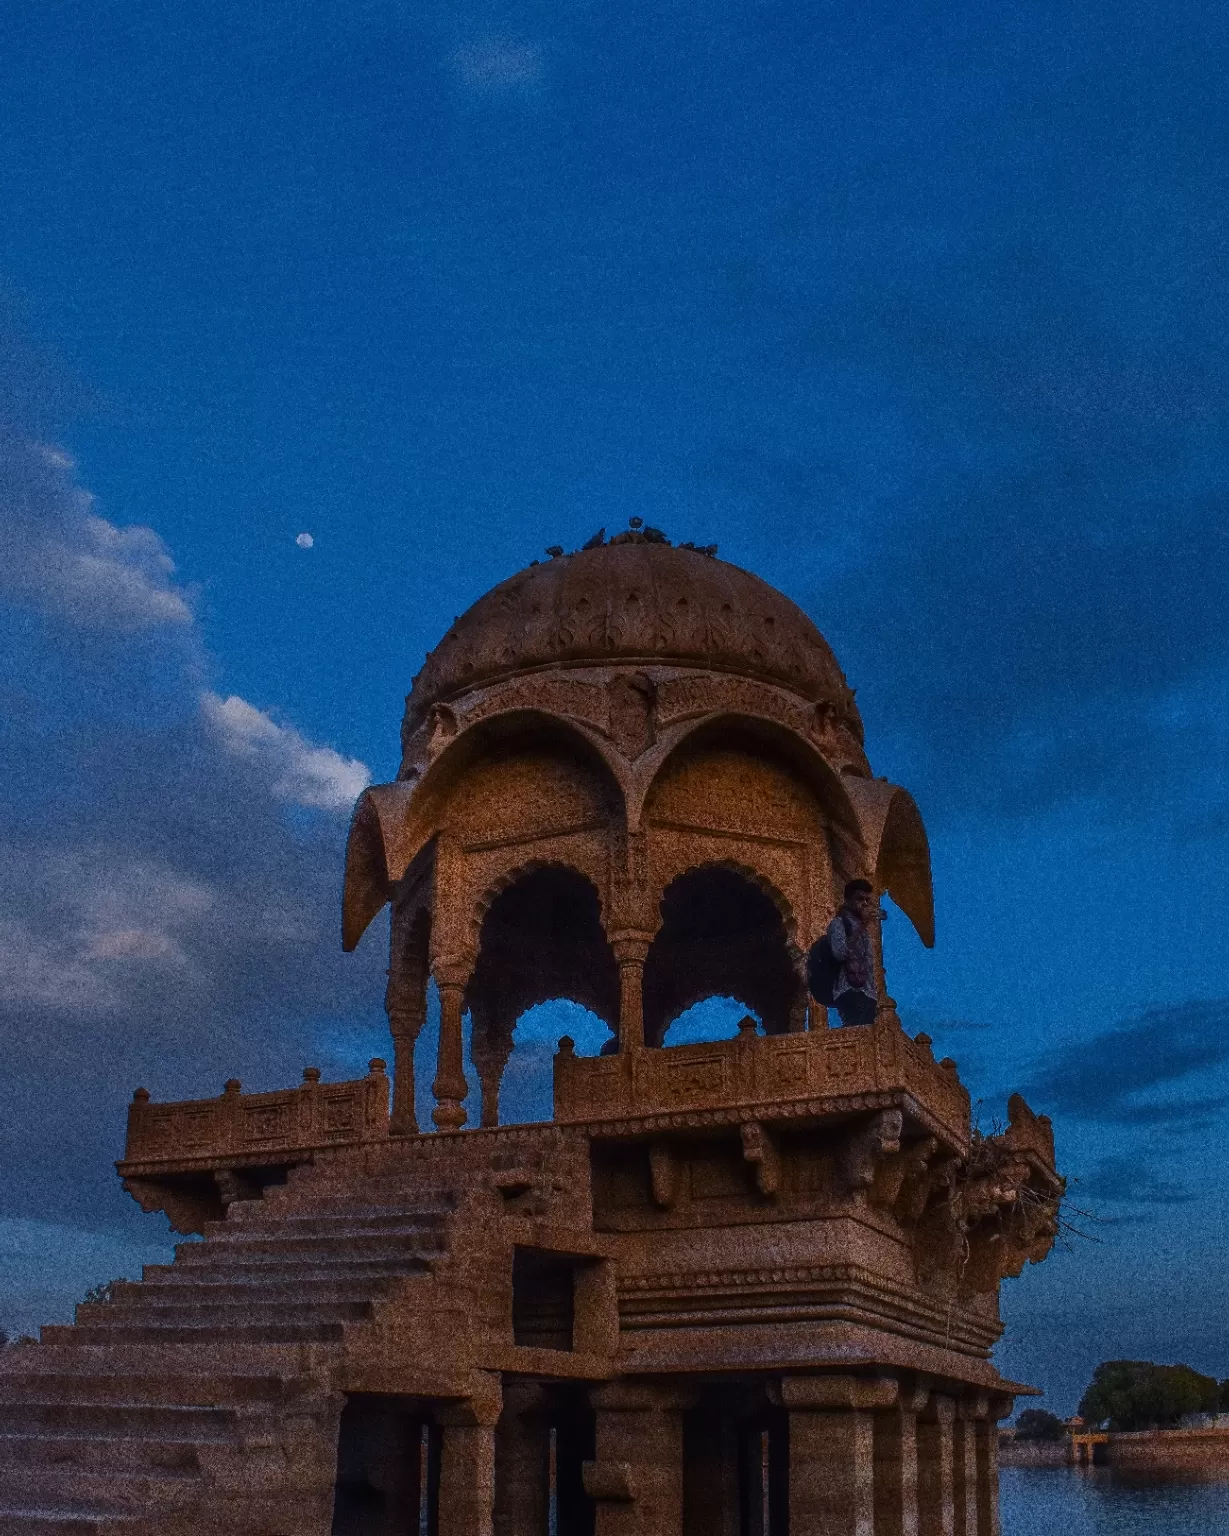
1037 1424
1135 1394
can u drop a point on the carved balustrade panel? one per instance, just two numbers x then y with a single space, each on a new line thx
776 1073
256 1126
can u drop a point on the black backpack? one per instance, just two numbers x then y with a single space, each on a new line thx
823 971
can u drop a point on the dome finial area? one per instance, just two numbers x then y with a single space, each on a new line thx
634 599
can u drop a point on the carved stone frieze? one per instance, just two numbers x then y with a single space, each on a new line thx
632 700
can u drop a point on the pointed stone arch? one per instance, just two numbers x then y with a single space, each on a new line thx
725 932
540 939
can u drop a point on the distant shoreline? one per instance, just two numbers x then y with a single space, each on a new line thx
1150 1449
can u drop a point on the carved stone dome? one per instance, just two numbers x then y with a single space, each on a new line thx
635 599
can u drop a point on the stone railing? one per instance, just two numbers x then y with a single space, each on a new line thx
777 1075
255 1128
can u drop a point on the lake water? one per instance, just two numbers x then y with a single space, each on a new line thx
1095 1502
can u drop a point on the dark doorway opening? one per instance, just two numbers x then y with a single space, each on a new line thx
735 1465
573 1428
543 1299
388 1469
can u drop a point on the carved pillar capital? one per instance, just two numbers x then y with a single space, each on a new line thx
834 1393
452 970
636 1476
631 948
631 945
480 1409
832 1450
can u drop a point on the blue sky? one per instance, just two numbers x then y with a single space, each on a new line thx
917 310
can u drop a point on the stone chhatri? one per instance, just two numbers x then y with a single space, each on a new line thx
734 1288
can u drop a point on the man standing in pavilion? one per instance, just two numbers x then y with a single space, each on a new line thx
844 976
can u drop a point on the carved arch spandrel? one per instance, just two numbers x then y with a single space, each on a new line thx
590 862
476 740
843 827
750 872
393 823
467 884
718 800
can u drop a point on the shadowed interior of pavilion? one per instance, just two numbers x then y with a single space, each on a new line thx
542 941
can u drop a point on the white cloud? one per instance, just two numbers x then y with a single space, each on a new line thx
162 920
37 970
59 556
311 776
136 913
305 541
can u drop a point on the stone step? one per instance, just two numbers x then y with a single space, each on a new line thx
200 1336
115 1490
98 1452
402 1194
340 1245
375 1189
312 1217
347 1224
66 1353
291 1274
242 1288
188 1310
16 1520
124 1416
82 1387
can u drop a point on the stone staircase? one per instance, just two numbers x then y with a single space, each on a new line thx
203 1400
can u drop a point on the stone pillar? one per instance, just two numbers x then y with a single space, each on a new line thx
406 1005
522 1462
450 1086
491 1046
405 1002
467 1461
936 1511
405 1026
896 1466
832 1452
630 952
636 1476
986 1434
964 1473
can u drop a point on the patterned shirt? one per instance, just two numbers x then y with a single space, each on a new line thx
853 950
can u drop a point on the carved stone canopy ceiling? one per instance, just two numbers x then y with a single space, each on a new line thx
635 599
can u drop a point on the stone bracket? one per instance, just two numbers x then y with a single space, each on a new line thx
664 1173
760 1150
875 1139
